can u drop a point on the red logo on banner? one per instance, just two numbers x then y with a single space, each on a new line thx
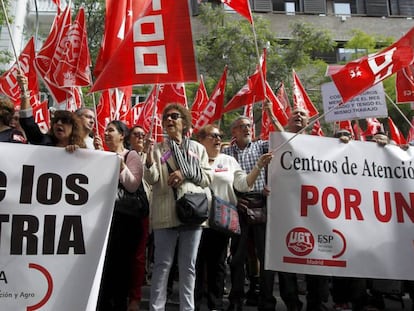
300 241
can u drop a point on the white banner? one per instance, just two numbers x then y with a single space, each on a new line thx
369 104
340 209
55 211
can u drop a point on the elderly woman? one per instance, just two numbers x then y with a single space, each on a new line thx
7 132
126 227
227 176
178 165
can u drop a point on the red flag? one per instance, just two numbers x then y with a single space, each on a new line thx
135 113
121 104
359 134
145 118
396 135
43 60
373 126
359 75
242 7
241 98
248 112
200 101
157 49
284 99
41 116
171 93
316 129
214 107
301 98
277 107
404 85
74 101
71 65
119 17
8 81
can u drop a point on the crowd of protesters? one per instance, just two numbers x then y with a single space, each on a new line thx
236 172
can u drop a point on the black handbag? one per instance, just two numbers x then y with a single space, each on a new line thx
224 217
252 206
192 208
132 203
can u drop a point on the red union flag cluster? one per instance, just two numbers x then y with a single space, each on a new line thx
359 75
157 49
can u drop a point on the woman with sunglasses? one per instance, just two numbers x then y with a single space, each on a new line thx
7 132
126 228
227 175
65 127
177 165
136 141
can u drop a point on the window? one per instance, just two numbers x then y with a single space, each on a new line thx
342 9
290 8
346 55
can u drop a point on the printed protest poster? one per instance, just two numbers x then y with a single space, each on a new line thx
369 104
55 211
340 209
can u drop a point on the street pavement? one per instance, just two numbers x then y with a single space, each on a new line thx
392 303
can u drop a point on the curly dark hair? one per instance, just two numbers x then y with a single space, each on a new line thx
6 110
78 133
185 115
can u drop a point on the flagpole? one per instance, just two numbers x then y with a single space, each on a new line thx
399 110
11 36
157 90
310 124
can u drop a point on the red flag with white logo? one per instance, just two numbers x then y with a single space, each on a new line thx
359 75
157 49
301 98
373 126
395 133
71 66
41 116
200 101
43 60
404 85
317 129
277 107
242 7
8 81
214 107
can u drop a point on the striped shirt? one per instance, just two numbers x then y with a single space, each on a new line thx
248 157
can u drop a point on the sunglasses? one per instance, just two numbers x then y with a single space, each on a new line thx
63 119
139 134
174 116
215 136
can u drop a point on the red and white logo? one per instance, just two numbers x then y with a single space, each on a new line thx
300 241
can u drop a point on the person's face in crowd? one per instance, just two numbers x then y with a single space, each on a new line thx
298 120
62 126
14 122
136 139
242 131
212 142
88 119
172 123
113 138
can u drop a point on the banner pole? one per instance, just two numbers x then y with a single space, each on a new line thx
399 110
10 35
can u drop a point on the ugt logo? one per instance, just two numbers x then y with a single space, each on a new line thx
300 241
